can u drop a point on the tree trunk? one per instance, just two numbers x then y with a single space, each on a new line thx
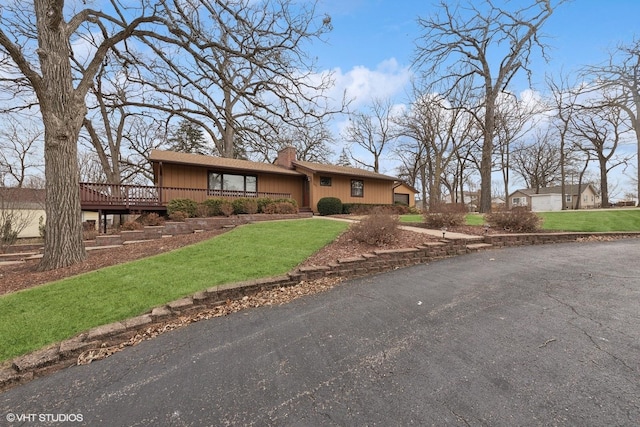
604 183
485 171
62 116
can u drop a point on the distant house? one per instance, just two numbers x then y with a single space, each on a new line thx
23 208
550 198
305 182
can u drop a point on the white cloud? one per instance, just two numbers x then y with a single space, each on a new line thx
362 85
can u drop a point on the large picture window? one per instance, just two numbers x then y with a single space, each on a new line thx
357 188
223 182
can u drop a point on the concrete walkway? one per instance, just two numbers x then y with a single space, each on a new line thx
432 232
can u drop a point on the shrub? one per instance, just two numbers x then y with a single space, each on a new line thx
211 207
226 208
366 209
131 226
329 206
202 211
446 215
89 234
357 208
150 218
378 228
8 235
245 206
178 216
290 201
263 202
42 227
517 220
187 206
280 208
217 207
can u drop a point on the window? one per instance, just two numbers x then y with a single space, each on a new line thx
232 182
357 188
515 201
568 198
325 181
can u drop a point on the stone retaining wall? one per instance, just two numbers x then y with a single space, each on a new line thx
189 226
506 240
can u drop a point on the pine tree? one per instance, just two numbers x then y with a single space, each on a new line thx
344 159
188 138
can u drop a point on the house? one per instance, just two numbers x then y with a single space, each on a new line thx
22 208
550 198
305 182
404 194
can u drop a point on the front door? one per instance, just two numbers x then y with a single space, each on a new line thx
306 189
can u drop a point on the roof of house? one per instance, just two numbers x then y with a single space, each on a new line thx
569 189
22 198
246 165
402 183
218 162
342 170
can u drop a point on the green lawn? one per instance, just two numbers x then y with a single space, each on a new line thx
592 220
595 220
36 317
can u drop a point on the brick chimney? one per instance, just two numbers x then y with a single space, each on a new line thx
286 157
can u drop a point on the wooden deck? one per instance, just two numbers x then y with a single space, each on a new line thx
118 198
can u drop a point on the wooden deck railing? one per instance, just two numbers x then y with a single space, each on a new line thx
119 196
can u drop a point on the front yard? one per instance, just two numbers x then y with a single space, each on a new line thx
36 317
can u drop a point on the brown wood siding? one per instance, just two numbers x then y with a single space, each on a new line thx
184 176
196 177
269 183
375 191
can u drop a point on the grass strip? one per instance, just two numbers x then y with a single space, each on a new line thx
592 220
37 317
580 221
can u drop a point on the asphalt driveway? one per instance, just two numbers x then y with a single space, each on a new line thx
544 335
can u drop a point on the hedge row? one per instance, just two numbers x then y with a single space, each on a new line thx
334 206
178 209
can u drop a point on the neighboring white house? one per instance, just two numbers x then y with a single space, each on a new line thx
22 208
550 198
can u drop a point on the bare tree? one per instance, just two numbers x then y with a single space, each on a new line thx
37 42
372 131
412 169
538 162
600 129
620 77
310 136
563 100
514 118
238 69
463 44
20 145
439 129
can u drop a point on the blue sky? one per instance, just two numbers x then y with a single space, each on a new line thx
379 35
371 47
